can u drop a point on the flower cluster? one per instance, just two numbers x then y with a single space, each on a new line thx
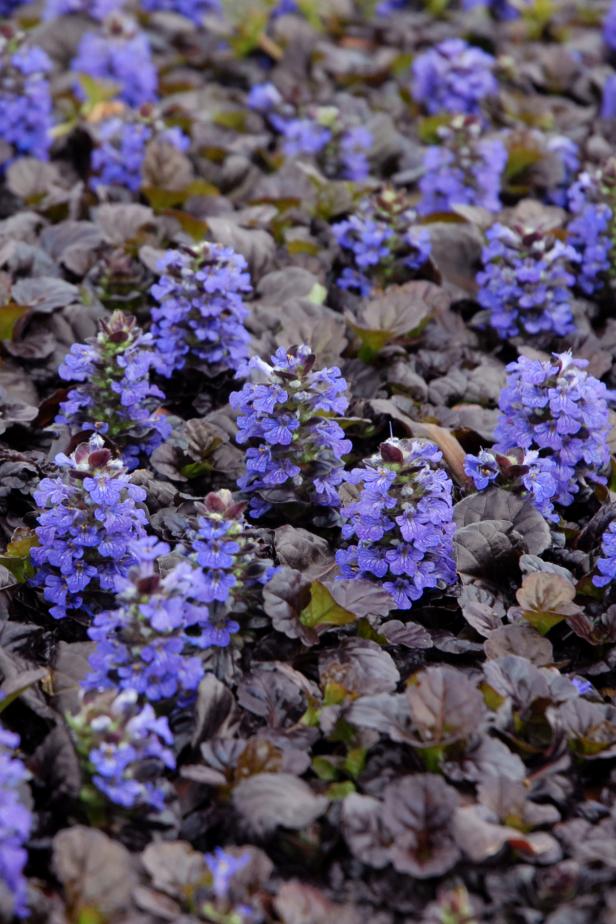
559 411
609 27
453 76
464 169
124 748
380 243
526 282
25 98
294 447
121 55
536 475
341 146
121 145
9 6
590 229
502 10
342 153
401 521
96 9
482 468
15 824
199 322
87 519
151 642
229 554
194 10
222 868
115 397
567 155
608 98
606 565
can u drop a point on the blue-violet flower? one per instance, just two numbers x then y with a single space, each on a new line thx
121 147
15 825
295 448
87 519
194 10
453 76
121 55
606 565
152 641
399 531
115 396
124 748
560 411
25 98
464 169
199 321
526 282
380 243
590 229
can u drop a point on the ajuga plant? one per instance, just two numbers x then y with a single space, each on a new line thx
121 146
454 76
541 164
340 145
380 244
592 199
198 323
152 641
526 281
115 396
96 9
534 475
464 168
88 516
9 6
119 54
609 27
502 10
194 10
232 557
15 825
558 410
606 564
294 447
124 749
25 97
398 531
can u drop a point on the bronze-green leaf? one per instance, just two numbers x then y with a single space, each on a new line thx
323 609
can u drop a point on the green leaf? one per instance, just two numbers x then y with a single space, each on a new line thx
9 316
234 119
299 246
373 341
161 199
196 227
90 916
542 622
97 91
13 688
17 555
317 294
340 790
355 761
519 160
196 469
324 769
429 126
323 609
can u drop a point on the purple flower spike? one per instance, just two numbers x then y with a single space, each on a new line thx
87 520
294 447
399 532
